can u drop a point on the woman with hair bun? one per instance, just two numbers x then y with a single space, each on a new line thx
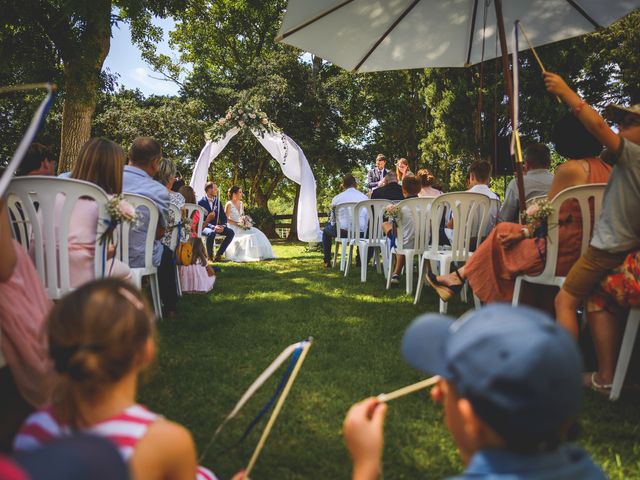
101 337
249 244
426 180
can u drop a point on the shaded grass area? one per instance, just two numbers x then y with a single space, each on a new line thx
221 342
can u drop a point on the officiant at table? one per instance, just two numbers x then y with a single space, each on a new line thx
376 174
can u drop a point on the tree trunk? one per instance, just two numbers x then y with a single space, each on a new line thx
83 58
293 231
76 126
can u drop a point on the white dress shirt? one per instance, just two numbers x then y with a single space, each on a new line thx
348 196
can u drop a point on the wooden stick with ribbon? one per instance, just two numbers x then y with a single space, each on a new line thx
401 392
535 54
278 407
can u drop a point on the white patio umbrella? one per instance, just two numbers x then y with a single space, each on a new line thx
376 35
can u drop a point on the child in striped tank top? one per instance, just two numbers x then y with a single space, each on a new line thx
101 337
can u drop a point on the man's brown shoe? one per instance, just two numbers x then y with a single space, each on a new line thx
219 259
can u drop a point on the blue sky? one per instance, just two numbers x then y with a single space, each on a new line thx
125 60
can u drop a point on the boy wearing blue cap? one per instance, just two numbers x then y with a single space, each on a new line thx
510 384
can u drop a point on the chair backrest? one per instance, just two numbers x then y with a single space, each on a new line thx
344 211
375 217
193 207
586 196
469 212
177 215
414 219
147 208
535 199
42 208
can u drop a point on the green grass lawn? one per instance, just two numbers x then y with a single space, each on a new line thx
220 343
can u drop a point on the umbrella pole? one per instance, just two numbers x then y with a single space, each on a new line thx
508 87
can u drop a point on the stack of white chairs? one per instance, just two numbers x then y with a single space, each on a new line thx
414 217
374 236
142 204
585 195
342 239
469 212
41 209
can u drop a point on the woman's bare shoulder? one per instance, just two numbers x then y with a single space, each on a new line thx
167 450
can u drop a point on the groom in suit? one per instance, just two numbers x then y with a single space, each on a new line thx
376 174
215 222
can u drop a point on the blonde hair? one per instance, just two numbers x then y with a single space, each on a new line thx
399 174
96 333
100 161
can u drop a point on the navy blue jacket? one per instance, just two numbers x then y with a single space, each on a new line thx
204 203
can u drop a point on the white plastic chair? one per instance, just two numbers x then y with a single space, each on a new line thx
41 208
626 349
414 213
584 194
342 240
175 239
140 203
469 212
190 208
375 237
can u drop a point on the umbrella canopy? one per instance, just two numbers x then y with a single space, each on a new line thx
374 35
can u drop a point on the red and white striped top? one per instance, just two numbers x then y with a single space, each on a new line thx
124 430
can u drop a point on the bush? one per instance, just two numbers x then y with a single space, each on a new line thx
262 218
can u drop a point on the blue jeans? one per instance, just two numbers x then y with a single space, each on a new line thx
328 235
211 236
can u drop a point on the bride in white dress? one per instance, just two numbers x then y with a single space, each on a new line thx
249 244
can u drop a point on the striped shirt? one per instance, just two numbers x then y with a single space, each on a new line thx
124 430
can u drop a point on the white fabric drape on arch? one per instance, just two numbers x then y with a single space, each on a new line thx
294 165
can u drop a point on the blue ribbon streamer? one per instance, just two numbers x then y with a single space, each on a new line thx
283 381
111 225
392 236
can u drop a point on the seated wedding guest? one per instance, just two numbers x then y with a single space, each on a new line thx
497 366
199 276
617 231
478 182
389 189
101 337
537 181
166 175
37 161
349 195
607 307
510 250
410 189
402 169
215 223
100 161
376 174
426 180
144 161
25 369
178 183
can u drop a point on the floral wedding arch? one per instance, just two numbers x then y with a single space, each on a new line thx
283 149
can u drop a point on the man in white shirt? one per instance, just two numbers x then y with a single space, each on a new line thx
478 182
348 195
537 181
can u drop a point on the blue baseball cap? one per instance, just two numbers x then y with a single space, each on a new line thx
518 368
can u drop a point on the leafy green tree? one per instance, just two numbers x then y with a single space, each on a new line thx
80 33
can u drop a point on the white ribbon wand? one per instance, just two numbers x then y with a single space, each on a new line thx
278 407
401 392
